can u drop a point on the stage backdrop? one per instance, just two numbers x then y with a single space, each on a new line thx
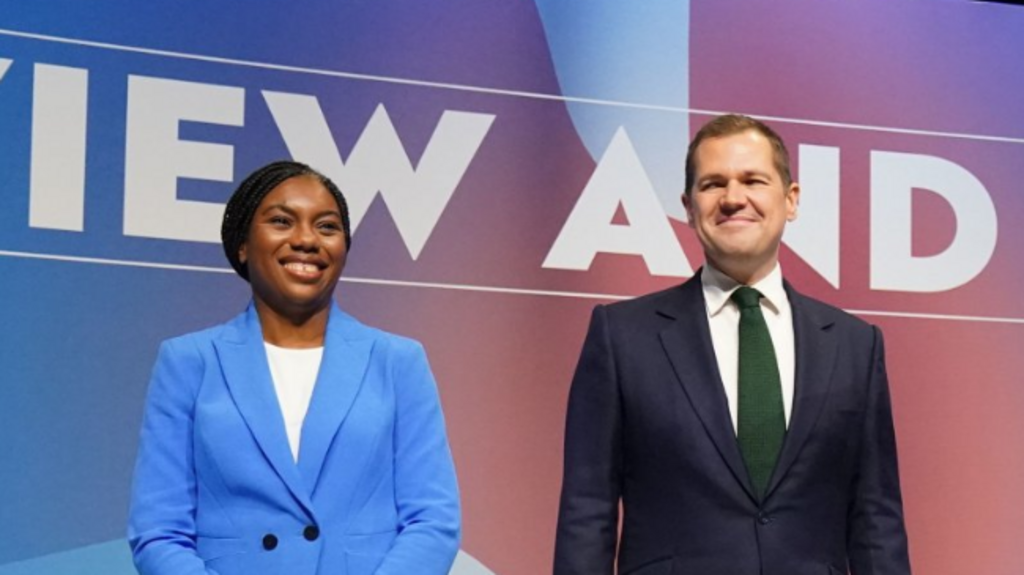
509 165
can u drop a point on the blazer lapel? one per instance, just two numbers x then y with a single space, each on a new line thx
687 341
815 359
347 348
243 359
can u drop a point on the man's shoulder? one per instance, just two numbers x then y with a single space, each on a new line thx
826 312
666 299
650 313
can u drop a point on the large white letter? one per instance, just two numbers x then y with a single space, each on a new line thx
416 197
5 64
814 235
893 267
619 179
155 158
57 173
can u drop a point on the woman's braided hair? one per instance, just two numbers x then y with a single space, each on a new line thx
241 208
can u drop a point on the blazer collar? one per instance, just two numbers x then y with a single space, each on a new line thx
348 345
243 358
815 344
687 342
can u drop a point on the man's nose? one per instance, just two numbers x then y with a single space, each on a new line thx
735 194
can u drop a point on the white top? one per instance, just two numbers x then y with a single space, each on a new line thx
294 373
724 319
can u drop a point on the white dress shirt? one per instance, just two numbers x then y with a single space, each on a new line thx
294 373
724 319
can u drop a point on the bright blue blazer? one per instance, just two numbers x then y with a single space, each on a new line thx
218 492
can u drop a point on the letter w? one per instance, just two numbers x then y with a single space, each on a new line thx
415 196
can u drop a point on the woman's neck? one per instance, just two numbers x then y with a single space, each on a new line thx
296 330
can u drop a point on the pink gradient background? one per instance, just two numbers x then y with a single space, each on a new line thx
504 361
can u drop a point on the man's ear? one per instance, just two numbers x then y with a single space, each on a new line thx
792 201
688 204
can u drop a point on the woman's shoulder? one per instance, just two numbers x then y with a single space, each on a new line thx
356 329
196 342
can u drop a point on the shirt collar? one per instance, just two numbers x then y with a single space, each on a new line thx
718 287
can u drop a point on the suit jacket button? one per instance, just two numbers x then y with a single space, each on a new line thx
270 541
311 532
764 519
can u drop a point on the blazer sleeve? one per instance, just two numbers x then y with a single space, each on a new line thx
426 491
591 484
877 542
161 521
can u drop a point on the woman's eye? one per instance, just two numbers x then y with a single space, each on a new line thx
330 226
279 220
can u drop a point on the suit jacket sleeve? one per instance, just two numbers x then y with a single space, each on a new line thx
591 484
426 492
877 537
161 523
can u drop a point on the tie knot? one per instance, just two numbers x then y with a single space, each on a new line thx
746 297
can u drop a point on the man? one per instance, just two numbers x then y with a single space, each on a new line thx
743 432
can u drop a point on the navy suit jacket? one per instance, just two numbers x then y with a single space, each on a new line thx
648 425
218 491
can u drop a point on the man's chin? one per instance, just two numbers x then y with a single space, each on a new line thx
741 265
735 255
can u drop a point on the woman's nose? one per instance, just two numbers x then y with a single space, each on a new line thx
304 237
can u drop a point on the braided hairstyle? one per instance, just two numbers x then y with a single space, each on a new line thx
241 208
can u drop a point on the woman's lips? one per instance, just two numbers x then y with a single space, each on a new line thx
303 270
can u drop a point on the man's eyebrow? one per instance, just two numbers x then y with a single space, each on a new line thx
711 176
744 173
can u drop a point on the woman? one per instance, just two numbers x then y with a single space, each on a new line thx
292 439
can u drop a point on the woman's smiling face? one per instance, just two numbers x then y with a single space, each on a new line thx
295 250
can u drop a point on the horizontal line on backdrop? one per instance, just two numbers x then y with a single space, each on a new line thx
491 91
467 287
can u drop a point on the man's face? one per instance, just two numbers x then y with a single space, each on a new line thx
739 205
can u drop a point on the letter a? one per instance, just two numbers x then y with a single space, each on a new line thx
619 179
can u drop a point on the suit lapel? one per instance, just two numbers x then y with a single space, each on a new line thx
687 342
347 349
815 359
243 359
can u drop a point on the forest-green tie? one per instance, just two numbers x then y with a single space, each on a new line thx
762 422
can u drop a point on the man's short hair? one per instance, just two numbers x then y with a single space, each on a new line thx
241 208
732 124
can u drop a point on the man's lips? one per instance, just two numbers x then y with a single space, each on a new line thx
735 220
